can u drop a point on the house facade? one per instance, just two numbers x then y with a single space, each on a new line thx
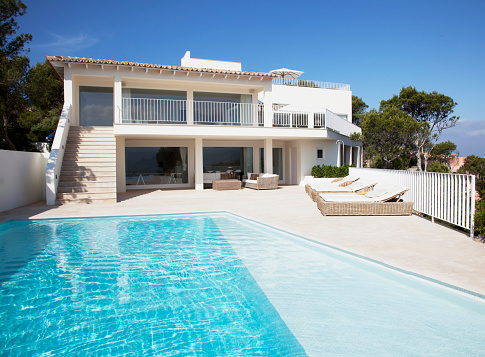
160 126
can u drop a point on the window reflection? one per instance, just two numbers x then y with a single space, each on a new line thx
156 165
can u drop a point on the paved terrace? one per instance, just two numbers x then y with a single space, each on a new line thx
410 243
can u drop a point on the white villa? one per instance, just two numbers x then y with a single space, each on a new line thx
132 125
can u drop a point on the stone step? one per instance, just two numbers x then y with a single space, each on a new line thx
83 195
89 165
91 128
71 140
110 188
85 200
89 158
88 151
74 176
95 182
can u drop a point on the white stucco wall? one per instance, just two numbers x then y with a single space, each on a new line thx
22 178
337 101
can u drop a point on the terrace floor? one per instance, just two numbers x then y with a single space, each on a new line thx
410 243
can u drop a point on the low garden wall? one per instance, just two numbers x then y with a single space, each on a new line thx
22 178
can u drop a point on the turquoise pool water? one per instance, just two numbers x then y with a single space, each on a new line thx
215 285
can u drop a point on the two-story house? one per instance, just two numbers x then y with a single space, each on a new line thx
129 125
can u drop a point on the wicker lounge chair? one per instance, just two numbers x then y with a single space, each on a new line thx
263 182
378 202
359 186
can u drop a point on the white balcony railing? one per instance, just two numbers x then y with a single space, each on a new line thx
56 156
340 125
154 111
311 84
169 111
226 113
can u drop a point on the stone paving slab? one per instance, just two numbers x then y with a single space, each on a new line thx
410 243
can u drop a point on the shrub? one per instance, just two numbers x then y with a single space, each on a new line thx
330 171
480 220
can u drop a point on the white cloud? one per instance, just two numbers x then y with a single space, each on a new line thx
69 44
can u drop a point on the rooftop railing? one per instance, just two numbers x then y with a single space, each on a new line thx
311 84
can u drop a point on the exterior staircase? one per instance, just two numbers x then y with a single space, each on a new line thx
88 172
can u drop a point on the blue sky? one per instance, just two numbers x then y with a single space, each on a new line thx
375 46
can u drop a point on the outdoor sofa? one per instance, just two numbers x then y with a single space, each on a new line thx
262 181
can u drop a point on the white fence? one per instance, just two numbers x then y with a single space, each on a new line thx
447 197
54 164
310 84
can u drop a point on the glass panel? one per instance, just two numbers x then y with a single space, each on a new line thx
217 97
156 165
96 106
238 160
278 162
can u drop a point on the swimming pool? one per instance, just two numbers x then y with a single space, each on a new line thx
214 284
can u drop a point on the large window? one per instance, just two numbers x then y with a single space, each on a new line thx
228 159
156 165
96 106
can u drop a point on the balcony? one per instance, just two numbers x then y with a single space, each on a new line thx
188 112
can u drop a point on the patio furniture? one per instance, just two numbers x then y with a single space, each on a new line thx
263 182
329 182
378 202
359 186
221 185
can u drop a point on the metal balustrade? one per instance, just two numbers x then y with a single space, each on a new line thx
311 84
154 111
225 113
169 111
447 197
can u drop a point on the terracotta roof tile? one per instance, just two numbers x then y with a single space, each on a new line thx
67 59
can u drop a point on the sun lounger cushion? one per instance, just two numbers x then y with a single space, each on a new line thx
376 193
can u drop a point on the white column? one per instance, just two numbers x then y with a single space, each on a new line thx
268 156
199 164
254 110
351 152
311 120
268 107
117 101
190 107
256 159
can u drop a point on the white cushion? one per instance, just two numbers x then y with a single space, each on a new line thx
251 181
376 193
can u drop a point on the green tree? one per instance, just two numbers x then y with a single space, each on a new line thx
359 108
441 153
387 136
44 91
433 110
13 73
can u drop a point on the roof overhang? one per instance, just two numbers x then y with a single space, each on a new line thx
60 62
